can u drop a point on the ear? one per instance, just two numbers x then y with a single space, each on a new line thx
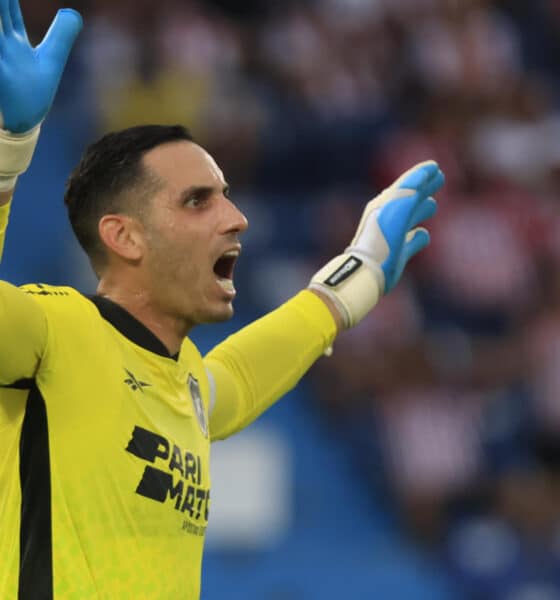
123 236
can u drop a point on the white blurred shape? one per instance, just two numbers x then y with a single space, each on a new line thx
251 498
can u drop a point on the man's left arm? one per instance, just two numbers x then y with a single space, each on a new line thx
256 366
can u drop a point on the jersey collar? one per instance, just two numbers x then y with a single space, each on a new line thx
130 327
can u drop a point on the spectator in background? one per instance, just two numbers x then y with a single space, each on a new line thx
510 548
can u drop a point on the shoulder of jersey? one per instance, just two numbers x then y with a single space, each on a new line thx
61 303
58 298
43 290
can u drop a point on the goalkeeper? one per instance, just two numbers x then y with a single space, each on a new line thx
107 409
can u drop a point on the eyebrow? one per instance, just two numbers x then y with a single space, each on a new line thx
202 189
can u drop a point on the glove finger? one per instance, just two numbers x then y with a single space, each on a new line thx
60 37
5 17
17 19
416 175
416 240
395 217
425 210
425 177
405 213
434 183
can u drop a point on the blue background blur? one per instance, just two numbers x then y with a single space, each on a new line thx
422 460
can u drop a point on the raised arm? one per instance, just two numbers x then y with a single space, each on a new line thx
29 78
388 236
255 367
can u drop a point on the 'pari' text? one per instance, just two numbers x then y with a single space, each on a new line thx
172 474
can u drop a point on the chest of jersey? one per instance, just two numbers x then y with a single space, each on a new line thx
132 425
105 465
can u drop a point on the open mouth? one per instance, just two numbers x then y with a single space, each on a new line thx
224 268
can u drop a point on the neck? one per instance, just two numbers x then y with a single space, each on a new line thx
169 329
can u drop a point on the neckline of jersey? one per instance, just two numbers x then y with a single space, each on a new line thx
130 326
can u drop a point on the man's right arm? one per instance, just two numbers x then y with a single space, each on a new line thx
5 199
23 335
29 78
23 326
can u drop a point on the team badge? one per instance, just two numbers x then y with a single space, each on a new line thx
196 398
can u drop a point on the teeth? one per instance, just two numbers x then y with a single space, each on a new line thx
226 284
233 253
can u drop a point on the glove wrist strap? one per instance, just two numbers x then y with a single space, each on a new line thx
353 284
7 183
16 151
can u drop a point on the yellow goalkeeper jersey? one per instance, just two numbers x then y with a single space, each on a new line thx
105 437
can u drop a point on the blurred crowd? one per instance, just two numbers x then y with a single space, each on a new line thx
449 392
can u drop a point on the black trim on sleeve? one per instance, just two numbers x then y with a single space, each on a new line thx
35 561
130 327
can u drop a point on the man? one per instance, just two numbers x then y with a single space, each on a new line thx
107 409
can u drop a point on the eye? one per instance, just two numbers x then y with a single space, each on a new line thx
196 198
193 200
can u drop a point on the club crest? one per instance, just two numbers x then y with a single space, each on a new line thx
196 398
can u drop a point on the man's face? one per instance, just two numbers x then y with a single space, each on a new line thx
192 233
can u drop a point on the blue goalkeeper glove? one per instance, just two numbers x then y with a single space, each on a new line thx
387 237
29 78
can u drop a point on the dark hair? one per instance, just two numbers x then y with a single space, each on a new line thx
108 170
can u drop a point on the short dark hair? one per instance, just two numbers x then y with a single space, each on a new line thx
108 170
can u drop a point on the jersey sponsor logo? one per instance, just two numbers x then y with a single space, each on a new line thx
173 475
198 405
134 383
44 290
349 266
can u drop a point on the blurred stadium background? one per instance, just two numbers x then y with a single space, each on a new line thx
422 460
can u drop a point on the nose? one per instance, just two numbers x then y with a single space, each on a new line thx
235 221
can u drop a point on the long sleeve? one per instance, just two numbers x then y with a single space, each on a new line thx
23 326
253 368
23 334
4 216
